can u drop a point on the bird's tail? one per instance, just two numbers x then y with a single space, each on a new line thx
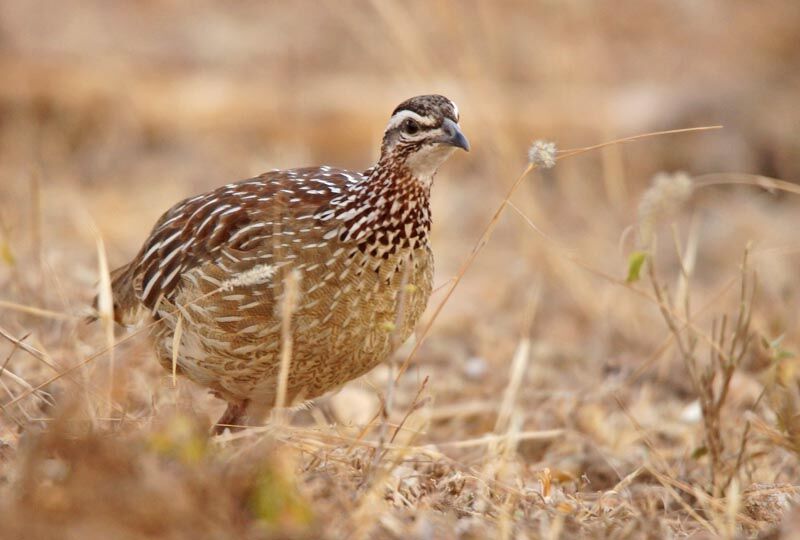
126 305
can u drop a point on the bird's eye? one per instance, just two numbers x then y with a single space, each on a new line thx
410 127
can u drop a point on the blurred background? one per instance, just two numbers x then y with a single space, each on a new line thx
110 112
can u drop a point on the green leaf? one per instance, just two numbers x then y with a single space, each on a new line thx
777 352
635 262
699 452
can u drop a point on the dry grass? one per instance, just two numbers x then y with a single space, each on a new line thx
594 362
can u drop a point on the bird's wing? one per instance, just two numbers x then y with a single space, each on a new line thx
232 226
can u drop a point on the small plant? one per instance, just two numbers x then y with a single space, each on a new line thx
728 344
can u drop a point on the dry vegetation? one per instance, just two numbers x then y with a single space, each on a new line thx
552 397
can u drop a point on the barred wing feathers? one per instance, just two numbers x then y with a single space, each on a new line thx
232 227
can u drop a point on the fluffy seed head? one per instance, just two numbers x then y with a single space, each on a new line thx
542 154
261 273
668 191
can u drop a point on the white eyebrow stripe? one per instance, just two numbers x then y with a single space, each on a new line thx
455 109
398 118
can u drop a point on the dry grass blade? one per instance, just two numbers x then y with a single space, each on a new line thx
754 180
718 504
105 308
45 397
42 396
291 287
68 371
38 355
541 435
667 482
518 365
569 152
176 345
39 312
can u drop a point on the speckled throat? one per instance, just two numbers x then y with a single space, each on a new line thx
388 212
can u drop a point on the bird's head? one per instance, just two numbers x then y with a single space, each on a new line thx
422 133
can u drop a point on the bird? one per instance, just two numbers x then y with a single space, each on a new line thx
216 276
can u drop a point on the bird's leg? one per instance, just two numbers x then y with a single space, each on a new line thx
232 418
241 414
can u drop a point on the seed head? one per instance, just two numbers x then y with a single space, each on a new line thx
260 273
666 195
543 154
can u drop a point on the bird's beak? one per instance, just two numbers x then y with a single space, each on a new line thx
453 136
